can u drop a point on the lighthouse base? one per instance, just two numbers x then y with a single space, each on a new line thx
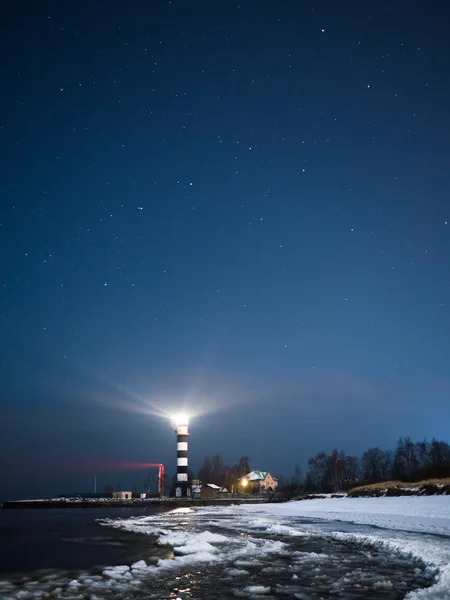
182 490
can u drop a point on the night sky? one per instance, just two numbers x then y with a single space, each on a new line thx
238 209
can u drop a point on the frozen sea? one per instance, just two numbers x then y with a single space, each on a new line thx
350 548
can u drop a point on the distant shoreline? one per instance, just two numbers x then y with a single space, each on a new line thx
135 503
430 487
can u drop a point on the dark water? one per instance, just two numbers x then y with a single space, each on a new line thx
68 539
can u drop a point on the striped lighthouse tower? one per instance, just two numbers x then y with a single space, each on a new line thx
182 488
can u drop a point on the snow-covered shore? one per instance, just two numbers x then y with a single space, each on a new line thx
416 526
429 514
384 548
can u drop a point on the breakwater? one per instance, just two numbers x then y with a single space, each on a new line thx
133 503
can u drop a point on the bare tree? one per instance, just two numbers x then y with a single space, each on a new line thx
297 477
337 470
205 471
218 470
318 470
375 464
243 466
422 450
439 452
405 460
351 471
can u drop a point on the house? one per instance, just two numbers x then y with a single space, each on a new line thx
196 489
211 490
123 495
259 481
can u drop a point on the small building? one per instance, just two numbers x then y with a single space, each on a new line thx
211 490
123 495
259 481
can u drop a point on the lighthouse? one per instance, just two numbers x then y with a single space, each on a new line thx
182 487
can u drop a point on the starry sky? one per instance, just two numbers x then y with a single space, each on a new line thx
240 209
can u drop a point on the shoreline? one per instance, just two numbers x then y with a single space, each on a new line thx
396 489
134 503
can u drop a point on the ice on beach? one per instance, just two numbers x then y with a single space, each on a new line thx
139 565
418 526
242 540
237 572
188 560
188 543
252 592
412 524
424 514
385 585
257 589
120 572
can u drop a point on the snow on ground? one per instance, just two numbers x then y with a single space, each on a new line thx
230 537
412 525
424 514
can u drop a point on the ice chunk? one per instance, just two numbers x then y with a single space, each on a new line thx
257 589
237 572
139 565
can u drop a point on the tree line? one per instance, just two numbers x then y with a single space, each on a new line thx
409 462
214 470
335 472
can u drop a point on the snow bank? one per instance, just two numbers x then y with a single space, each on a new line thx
426 514
414 526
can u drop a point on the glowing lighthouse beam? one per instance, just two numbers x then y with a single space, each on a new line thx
182 488
180 419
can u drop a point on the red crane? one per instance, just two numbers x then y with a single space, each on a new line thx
160 476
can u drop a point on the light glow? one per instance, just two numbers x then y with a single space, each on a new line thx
244 482
180 419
